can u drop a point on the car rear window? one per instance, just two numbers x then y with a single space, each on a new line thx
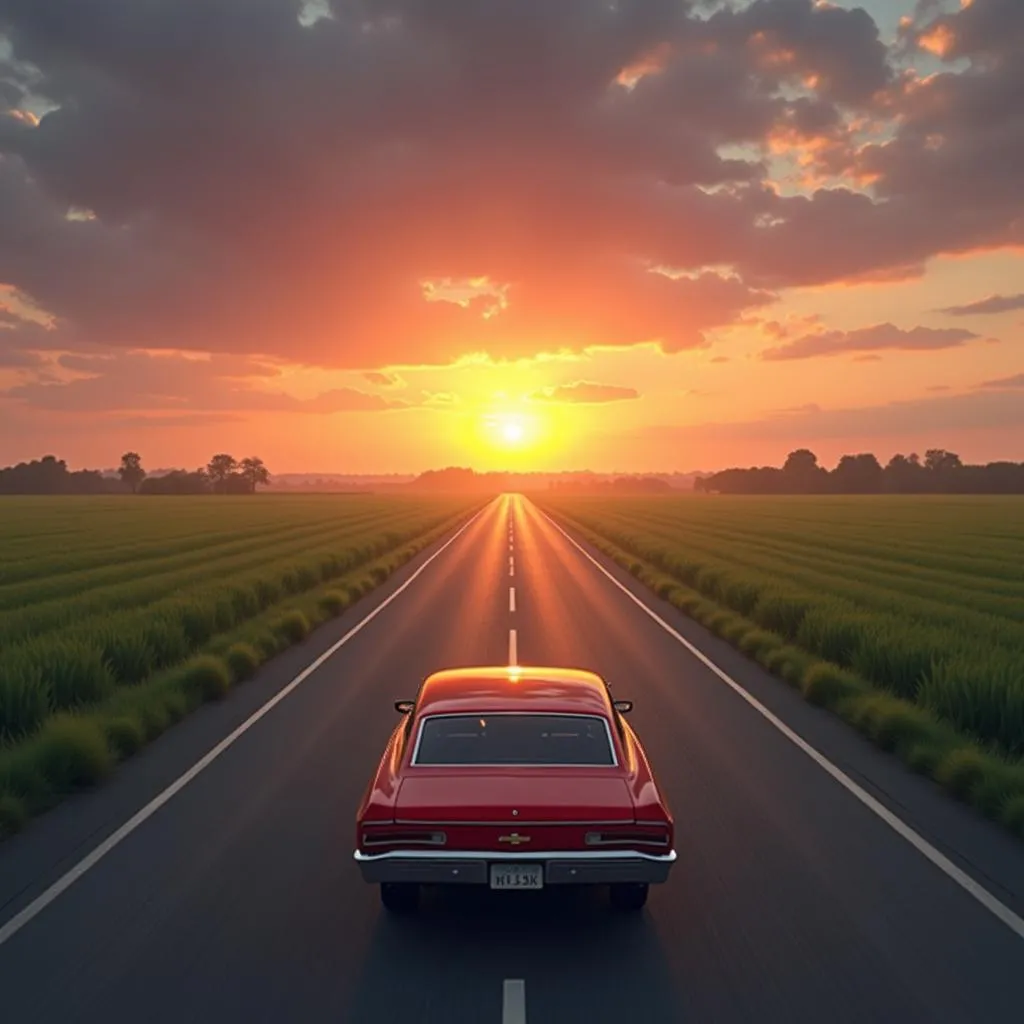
519 739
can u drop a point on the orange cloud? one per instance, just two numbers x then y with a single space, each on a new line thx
938 40
651 63
585 392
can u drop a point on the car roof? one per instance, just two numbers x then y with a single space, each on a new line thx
513 688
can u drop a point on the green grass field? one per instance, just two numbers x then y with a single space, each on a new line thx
118 615
905 614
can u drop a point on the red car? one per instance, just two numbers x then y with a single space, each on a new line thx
514 778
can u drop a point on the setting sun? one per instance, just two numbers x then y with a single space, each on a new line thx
512 431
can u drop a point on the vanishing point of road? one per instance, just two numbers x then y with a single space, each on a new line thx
817 881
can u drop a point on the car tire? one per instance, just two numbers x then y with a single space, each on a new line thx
400 897
629 896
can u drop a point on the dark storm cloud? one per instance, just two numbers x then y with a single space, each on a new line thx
254 185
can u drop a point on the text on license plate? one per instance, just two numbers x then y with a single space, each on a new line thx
517 876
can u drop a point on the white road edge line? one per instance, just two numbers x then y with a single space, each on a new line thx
513 1001
44 899
1012 921
512 647
511 599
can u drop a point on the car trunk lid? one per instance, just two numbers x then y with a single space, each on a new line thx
568 797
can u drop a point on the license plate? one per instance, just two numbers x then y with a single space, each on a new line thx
517 876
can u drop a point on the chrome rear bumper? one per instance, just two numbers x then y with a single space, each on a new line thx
450 867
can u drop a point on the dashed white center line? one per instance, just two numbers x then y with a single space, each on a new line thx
512 647
511 599
513 1001
511 566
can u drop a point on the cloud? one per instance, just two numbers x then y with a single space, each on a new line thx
584 392
18 359
384 380
174 383
292 195
870 339
793 324
990 304
442 399
1005 383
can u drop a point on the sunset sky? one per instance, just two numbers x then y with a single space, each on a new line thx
389 235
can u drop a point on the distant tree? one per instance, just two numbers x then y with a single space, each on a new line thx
131 471
904 474
220 468
802 473
48 475
938 460
802 461
178 481
857 474
254 472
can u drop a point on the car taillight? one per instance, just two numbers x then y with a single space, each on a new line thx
627 837
392 837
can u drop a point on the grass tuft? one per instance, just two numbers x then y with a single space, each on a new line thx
13 814
757 643
124 735
72 753
292 626
828 685
961 770
24 700
1013 815
242 661
206 676
333 603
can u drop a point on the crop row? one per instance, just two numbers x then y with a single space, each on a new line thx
965 604
999 572
336 545
965 665
130 564
101 534
939 732
79 747
81 651
943 694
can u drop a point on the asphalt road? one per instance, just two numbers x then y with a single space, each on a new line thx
237 899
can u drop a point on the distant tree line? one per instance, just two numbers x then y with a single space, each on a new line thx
463 480
620 485
940 472
222 475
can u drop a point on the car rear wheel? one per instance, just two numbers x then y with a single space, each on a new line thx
400 897
629 896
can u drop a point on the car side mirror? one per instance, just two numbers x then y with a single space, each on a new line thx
623 706
405 707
